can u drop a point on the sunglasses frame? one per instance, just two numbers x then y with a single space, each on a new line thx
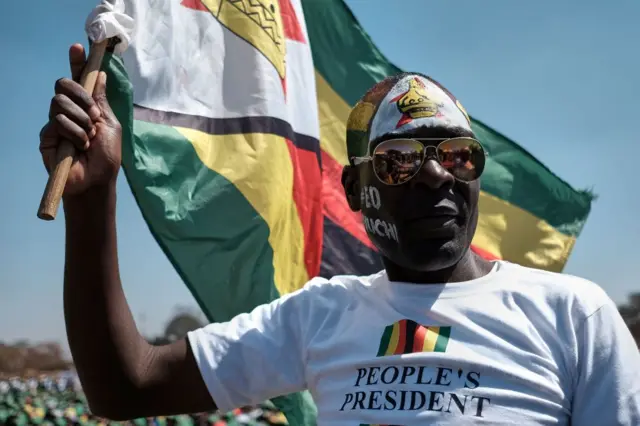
425 156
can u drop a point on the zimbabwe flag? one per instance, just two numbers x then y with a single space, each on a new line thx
234 122
406 336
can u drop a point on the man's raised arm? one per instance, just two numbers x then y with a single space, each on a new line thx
122 375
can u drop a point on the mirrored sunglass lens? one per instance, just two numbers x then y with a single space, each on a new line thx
398 160
462 157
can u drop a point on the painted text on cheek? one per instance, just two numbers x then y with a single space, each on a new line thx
381 228
370 197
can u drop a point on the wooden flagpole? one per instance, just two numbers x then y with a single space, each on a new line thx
64 156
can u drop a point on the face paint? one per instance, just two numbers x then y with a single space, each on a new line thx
370 197
381 228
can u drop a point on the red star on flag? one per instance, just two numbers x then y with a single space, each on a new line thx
290 23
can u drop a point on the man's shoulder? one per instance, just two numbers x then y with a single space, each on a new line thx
341 282
579 293
339 285
333 293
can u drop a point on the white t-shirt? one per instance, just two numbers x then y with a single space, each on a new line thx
517 346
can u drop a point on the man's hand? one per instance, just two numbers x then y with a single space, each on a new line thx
89 123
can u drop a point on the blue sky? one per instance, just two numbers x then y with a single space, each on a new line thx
560 78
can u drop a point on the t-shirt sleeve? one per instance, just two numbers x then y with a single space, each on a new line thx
255 356
607 386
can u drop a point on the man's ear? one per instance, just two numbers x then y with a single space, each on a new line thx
351 185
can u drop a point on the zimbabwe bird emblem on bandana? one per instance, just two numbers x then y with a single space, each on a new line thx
415 103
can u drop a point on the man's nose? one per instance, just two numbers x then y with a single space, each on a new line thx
434 175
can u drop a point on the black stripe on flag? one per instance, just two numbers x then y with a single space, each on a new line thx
230 126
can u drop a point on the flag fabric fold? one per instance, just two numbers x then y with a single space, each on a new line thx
234 126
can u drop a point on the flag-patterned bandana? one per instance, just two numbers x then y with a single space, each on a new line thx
399 104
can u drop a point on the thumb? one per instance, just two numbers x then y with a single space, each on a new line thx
100 98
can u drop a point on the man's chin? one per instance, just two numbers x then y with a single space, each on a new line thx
427 256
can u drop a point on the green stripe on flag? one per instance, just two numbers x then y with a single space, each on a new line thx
516 176
342 51
443 339
385 339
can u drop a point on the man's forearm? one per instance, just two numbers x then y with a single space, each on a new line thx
106 346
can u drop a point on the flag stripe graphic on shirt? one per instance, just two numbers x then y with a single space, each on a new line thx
406 336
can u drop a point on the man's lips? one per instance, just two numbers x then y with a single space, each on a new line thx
434 222
443 216
442 211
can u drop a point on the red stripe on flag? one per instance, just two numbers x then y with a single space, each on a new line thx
484 253
335 202
418 339
292 29
194 4
402 337
307 194
291 25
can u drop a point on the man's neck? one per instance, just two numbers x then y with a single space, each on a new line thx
470 267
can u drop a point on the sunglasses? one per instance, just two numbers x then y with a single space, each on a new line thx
397 161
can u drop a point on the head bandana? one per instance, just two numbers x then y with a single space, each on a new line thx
399 104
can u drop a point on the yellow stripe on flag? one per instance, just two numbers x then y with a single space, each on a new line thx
333 113
393 342
507 231
259 166
430 339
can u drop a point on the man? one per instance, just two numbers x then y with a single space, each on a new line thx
439 337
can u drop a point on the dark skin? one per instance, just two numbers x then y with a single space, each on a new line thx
425 252
124 376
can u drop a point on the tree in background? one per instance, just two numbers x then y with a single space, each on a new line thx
180 325
25 359
182 322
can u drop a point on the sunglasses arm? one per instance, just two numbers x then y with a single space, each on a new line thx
359 160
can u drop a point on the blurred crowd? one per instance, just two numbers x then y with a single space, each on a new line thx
58 400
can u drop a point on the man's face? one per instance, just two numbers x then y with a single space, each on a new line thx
425 224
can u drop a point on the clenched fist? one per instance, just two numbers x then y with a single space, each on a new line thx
89 123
